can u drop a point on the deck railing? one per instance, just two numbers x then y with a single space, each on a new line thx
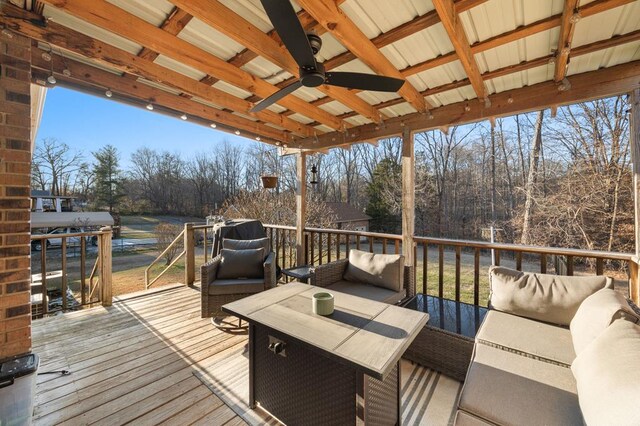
71 282
448 268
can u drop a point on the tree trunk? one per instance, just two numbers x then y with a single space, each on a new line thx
532 179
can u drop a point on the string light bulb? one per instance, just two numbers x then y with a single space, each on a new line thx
467 108
66 72
108 93
213 125
258 138
51 79
184 117
150 106
509 100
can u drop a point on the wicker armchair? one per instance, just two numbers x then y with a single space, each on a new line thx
330 273
212 299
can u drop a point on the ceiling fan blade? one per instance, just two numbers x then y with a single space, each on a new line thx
356 80
269 100
286 23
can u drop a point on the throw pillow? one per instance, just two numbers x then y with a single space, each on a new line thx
237 264
232 244
381 270
607 376
543 297
596 313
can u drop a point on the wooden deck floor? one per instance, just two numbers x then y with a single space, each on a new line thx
135 362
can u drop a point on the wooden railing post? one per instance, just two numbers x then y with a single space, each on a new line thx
634 279
190 255
634 100
408 199
301 205
106 292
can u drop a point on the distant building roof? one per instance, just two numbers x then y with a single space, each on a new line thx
40 193
345 212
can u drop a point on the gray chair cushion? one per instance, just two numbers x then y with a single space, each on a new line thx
596 313
509 389
607 372
368 291
546 342
250 285
241 264
381 270
543 297
232 244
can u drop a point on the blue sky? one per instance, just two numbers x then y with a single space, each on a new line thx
87 123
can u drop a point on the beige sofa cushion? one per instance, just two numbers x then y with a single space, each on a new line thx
241 264
509 389
232 244
596 313
368 291
607 372
543 297
381 270
546 342
465 419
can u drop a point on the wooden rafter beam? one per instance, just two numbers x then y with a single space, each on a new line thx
124 24
349 35
519 33
175 22
567 27
586 86
452 24
145 93
522 66
244 32
55 34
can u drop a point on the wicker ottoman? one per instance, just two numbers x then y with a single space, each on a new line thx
445 344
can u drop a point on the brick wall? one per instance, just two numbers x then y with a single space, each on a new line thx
15 166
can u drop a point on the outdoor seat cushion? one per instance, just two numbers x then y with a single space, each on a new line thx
381 270
510 389
229 243
465 419
367 291
542 341
241 264
607 373
235 286
596 313
543 297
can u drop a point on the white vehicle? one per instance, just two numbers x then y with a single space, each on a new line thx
56 241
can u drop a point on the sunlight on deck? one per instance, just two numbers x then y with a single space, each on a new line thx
139 361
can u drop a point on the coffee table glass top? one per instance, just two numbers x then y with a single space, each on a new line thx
366 334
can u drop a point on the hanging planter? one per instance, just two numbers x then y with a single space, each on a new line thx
269 182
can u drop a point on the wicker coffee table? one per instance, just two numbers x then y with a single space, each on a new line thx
316 370
445 344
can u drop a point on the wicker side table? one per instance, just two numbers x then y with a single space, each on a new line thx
445 344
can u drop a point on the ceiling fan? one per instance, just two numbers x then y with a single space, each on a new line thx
303 47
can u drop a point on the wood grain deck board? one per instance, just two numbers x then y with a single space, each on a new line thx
135 362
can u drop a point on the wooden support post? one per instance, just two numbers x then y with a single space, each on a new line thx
634 281
408 198
106 293
190 255
301 205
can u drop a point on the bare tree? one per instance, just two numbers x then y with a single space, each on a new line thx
54 164
532 179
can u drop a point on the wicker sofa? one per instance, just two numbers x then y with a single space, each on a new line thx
335 275
553 351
